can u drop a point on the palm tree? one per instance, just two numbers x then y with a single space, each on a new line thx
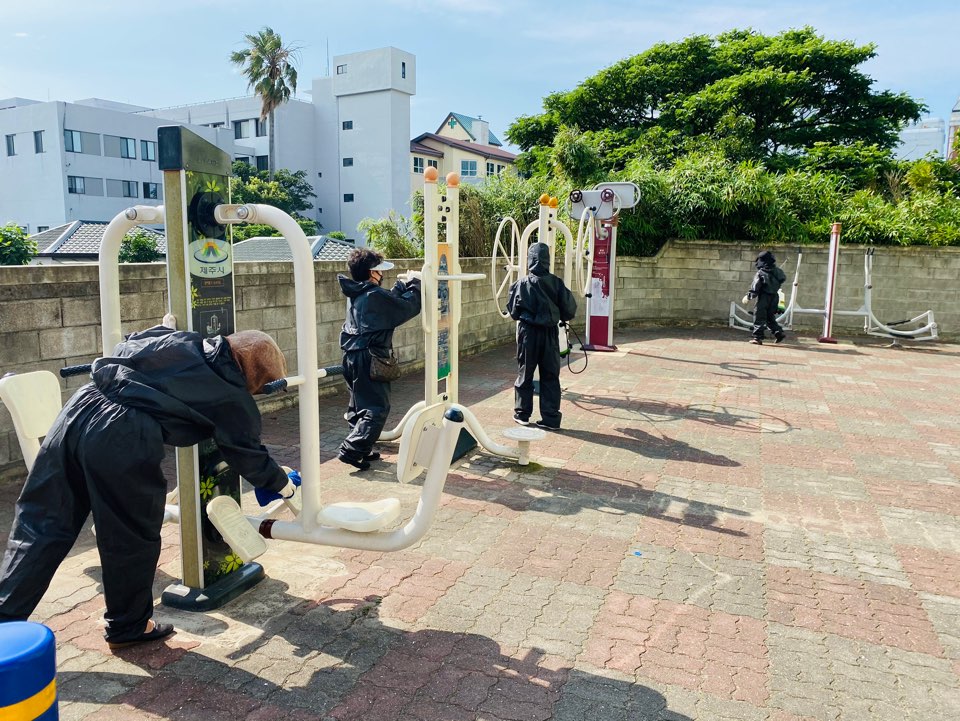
268 66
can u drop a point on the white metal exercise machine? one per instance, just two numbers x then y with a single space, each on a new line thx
427 444
441 278
922 327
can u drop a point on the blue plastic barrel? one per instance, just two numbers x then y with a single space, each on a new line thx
28 672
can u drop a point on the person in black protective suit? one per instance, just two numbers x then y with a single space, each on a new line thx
765 287
539 301
103 454
373 313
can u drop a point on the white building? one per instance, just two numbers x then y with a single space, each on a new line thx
78 161
953 131
920 139
352 140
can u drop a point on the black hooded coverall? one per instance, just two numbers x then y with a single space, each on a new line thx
539 302
103 454
373 313
765 286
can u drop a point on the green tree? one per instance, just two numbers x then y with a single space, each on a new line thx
16 248
139 246
289 191
268 65
747 95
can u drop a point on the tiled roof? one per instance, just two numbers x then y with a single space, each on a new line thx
48 237
277 249
424 149
466 122
485 151
82 238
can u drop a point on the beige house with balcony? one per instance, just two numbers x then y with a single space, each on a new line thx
461 145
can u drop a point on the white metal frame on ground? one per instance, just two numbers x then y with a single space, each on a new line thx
439 209
925 326
330 525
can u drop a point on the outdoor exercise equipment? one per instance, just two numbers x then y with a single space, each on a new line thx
440 283
922 327
427 443
589 261
605 202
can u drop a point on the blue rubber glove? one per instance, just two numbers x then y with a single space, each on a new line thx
266 496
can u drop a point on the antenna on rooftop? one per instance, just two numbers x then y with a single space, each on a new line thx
328 57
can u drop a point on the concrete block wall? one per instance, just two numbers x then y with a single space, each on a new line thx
696 280
50 318
50 315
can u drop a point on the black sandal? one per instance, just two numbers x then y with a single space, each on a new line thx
160 630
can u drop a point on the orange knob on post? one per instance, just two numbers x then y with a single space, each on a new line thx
431 174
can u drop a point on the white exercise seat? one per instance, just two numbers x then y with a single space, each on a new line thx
33 400
360 517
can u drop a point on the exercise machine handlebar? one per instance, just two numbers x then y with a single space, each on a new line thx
79 370
281 384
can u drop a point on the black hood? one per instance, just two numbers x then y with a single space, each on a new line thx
354 288
766 259
538 259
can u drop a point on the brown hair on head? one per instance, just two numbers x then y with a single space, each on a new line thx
259 357
361 261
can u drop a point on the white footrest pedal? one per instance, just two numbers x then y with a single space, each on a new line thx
523 435
236 530
360 517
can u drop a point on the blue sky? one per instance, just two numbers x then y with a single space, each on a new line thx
495 58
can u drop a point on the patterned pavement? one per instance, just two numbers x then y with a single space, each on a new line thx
721 531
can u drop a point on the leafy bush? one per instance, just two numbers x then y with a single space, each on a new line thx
15 247
393 236
139 246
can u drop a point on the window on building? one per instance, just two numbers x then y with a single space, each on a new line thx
263 162
38 141
244 159
348 197
75 185
215 125
11 145
500 168
241 129
348 162
348 125
490 170
468 168
71 141
151 191
148 150
261 127
41 228
130 189
432 163
403 70
341 69
115 146
417 164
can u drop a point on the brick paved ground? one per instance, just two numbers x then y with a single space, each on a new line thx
721 532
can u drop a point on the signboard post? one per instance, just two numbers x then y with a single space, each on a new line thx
603 282
196 179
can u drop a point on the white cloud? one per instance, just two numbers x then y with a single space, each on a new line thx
21 35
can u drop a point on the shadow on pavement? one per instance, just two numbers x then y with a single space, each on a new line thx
661 412
651 446
359 668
